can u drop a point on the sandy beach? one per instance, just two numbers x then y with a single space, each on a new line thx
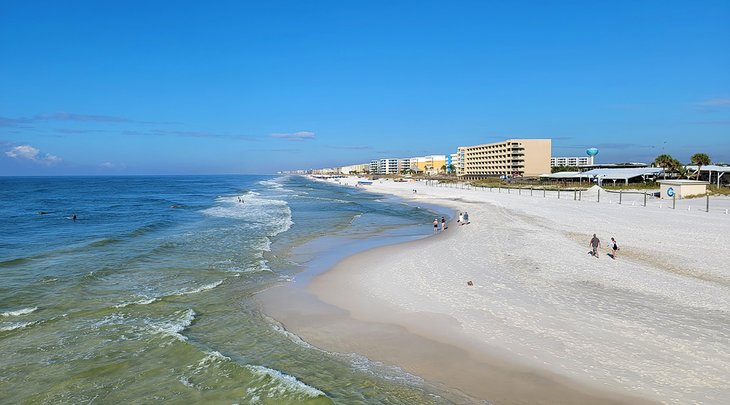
544 321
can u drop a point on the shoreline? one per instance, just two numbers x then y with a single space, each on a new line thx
439 344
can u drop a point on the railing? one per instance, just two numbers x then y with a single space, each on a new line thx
620 197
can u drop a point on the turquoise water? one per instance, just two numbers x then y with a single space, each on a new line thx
147 295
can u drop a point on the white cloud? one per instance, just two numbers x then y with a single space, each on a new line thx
715 102
112 166
28 152
296 136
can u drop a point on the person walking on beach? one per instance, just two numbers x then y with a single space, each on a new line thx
461 218
595 243
466 218
435 226
614 247
443 224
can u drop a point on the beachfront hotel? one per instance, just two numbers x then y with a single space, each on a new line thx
431 164
358 168
572 161
512 157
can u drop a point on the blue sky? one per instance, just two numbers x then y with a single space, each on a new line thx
124 87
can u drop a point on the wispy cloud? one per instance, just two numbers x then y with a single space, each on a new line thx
112 166
294 136
713 104
71 131
71 117
357 147
190 134
27 152
712 122
63 116
619 145
13 122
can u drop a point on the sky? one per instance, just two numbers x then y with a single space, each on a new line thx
192 87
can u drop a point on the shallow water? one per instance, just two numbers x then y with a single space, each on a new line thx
148 294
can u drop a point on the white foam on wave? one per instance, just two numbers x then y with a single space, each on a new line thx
359 362
200 289
279 328
382 370
113 319
19 312
274 383
174 327
140 302
275 185
269 215
336 200
8 326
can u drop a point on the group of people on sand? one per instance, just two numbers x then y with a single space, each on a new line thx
595 244
436 225
463 220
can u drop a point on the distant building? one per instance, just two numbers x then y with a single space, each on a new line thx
423 164
431 164
326 171
451 162
352 169
374 166
573 161
512 157
460 151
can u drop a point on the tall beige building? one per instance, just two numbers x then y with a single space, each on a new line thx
513 157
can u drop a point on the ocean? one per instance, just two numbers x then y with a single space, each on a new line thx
148 295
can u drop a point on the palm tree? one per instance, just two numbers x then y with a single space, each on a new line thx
443 169
666 162
451 169
700 159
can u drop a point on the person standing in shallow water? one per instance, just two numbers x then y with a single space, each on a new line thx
443 224
595 243
435 225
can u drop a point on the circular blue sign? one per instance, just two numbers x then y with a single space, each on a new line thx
670 192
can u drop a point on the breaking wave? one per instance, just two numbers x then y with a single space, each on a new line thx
6 327
18 312
270 382
175 326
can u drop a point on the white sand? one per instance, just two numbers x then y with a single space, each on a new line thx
653 323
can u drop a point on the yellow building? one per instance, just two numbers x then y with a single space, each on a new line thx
352 169
428 164
512 157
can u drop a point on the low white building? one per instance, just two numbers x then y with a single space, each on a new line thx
571 161
681 188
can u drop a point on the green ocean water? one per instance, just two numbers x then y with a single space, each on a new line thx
148 296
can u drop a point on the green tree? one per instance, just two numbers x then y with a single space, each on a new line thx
451 169
700 159
443 169
666 162
558 169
